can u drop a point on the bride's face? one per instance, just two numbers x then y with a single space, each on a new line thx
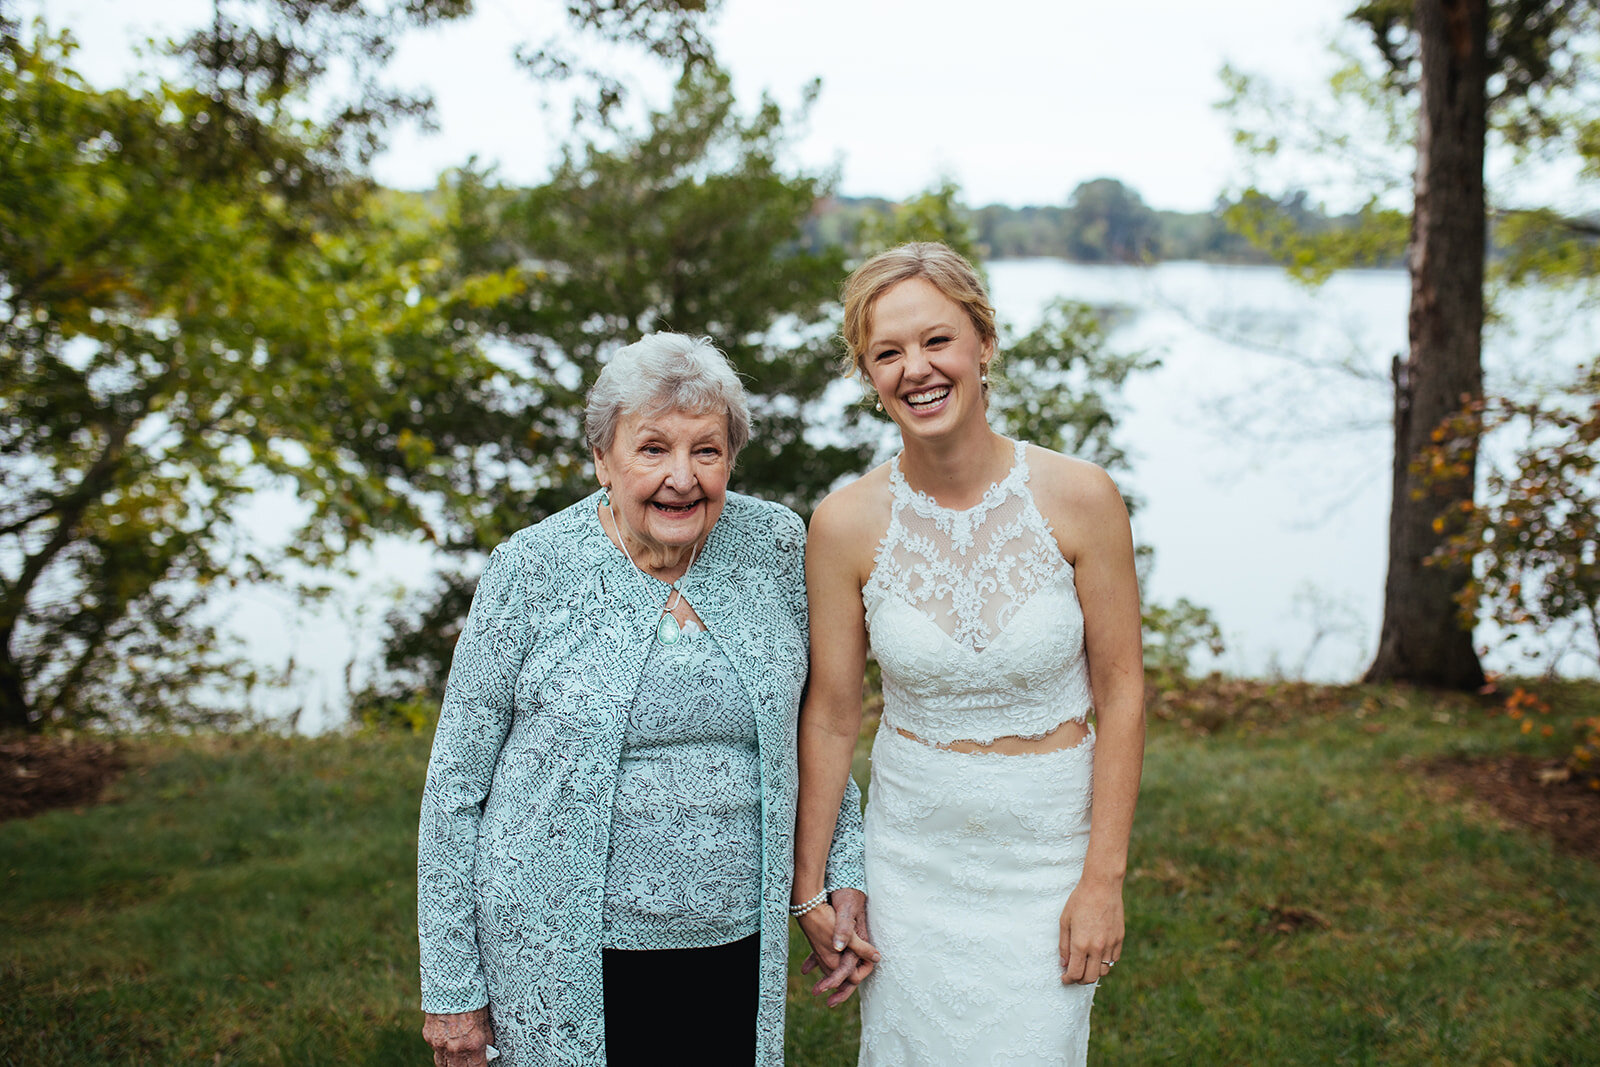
924 359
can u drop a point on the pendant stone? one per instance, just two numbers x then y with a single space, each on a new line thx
667 630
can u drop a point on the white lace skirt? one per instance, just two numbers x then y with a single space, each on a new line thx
970 859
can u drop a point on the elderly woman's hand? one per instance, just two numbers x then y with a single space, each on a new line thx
844 923
459 1039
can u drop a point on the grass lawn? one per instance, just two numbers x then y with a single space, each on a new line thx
1301 893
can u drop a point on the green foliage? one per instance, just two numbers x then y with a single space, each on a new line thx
1057 386
1537 51
1311 247
1535 541
203 297
1542 245
1002 232
1541 108
188 317
259 60
689 224
1173 635
1362 130
933 215
1537 99
672 31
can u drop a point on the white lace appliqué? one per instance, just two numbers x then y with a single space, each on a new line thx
974 616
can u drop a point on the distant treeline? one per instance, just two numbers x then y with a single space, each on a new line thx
1104 221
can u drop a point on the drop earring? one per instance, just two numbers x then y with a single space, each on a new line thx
605 496
983 374
878 404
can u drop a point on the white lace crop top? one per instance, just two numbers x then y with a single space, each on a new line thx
974 617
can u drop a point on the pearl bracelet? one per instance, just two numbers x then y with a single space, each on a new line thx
798 910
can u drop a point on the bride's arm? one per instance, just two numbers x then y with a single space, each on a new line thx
830 723
1092 922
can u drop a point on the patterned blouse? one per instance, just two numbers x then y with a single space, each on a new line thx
685 869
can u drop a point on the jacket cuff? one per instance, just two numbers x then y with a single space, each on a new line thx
851 875
454 1000
846 867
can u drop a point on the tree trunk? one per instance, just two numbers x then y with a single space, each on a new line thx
13 699
1423 640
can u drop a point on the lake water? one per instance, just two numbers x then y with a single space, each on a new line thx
1258 449
1259 453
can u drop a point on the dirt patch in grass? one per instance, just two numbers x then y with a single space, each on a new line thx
1532 793
40 773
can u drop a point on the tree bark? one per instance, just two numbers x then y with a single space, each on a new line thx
14 712
1423 640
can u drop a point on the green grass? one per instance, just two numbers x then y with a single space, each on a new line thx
1300 894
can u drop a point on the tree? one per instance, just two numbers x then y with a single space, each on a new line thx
1463 73
687 224
202 296
180 327
1107 222
1422 639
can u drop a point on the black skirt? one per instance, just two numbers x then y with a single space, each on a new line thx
690 1005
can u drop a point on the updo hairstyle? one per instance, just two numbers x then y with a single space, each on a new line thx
947 270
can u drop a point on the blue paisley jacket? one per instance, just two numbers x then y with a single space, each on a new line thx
516 814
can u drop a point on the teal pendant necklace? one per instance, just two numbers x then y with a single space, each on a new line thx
667 630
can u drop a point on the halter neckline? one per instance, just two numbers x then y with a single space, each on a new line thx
925 504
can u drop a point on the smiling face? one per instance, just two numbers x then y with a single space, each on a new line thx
668 478
924 358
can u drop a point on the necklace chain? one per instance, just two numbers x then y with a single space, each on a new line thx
677 594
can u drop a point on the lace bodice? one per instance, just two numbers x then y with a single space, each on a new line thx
974 617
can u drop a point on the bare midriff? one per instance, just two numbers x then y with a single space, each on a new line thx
1069 734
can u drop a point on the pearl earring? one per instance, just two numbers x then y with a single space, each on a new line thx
983 375
878 403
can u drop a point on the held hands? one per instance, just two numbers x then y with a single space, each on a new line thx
1091 932
460 1039
843 922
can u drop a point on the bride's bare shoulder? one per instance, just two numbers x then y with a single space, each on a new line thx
1072 490
853 517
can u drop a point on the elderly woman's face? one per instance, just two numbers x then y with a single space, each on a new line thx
668 475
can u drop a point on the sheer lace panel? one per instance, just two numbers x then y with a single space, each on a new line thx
970 570
986 586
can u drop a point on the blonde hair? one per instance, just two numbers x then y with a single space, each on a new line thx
944 268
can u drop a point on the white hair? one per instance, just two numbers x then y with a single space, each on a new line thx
663 372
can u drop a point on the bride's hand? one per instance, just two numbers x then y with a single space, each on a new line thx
1091 932
828 926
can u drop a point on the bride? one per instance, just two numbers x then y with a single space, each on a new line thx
994 582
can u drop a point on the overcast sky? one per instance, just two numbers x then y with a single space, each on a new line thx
1018 100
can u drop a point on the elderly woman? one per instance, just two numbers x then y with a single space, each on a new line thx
606 839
